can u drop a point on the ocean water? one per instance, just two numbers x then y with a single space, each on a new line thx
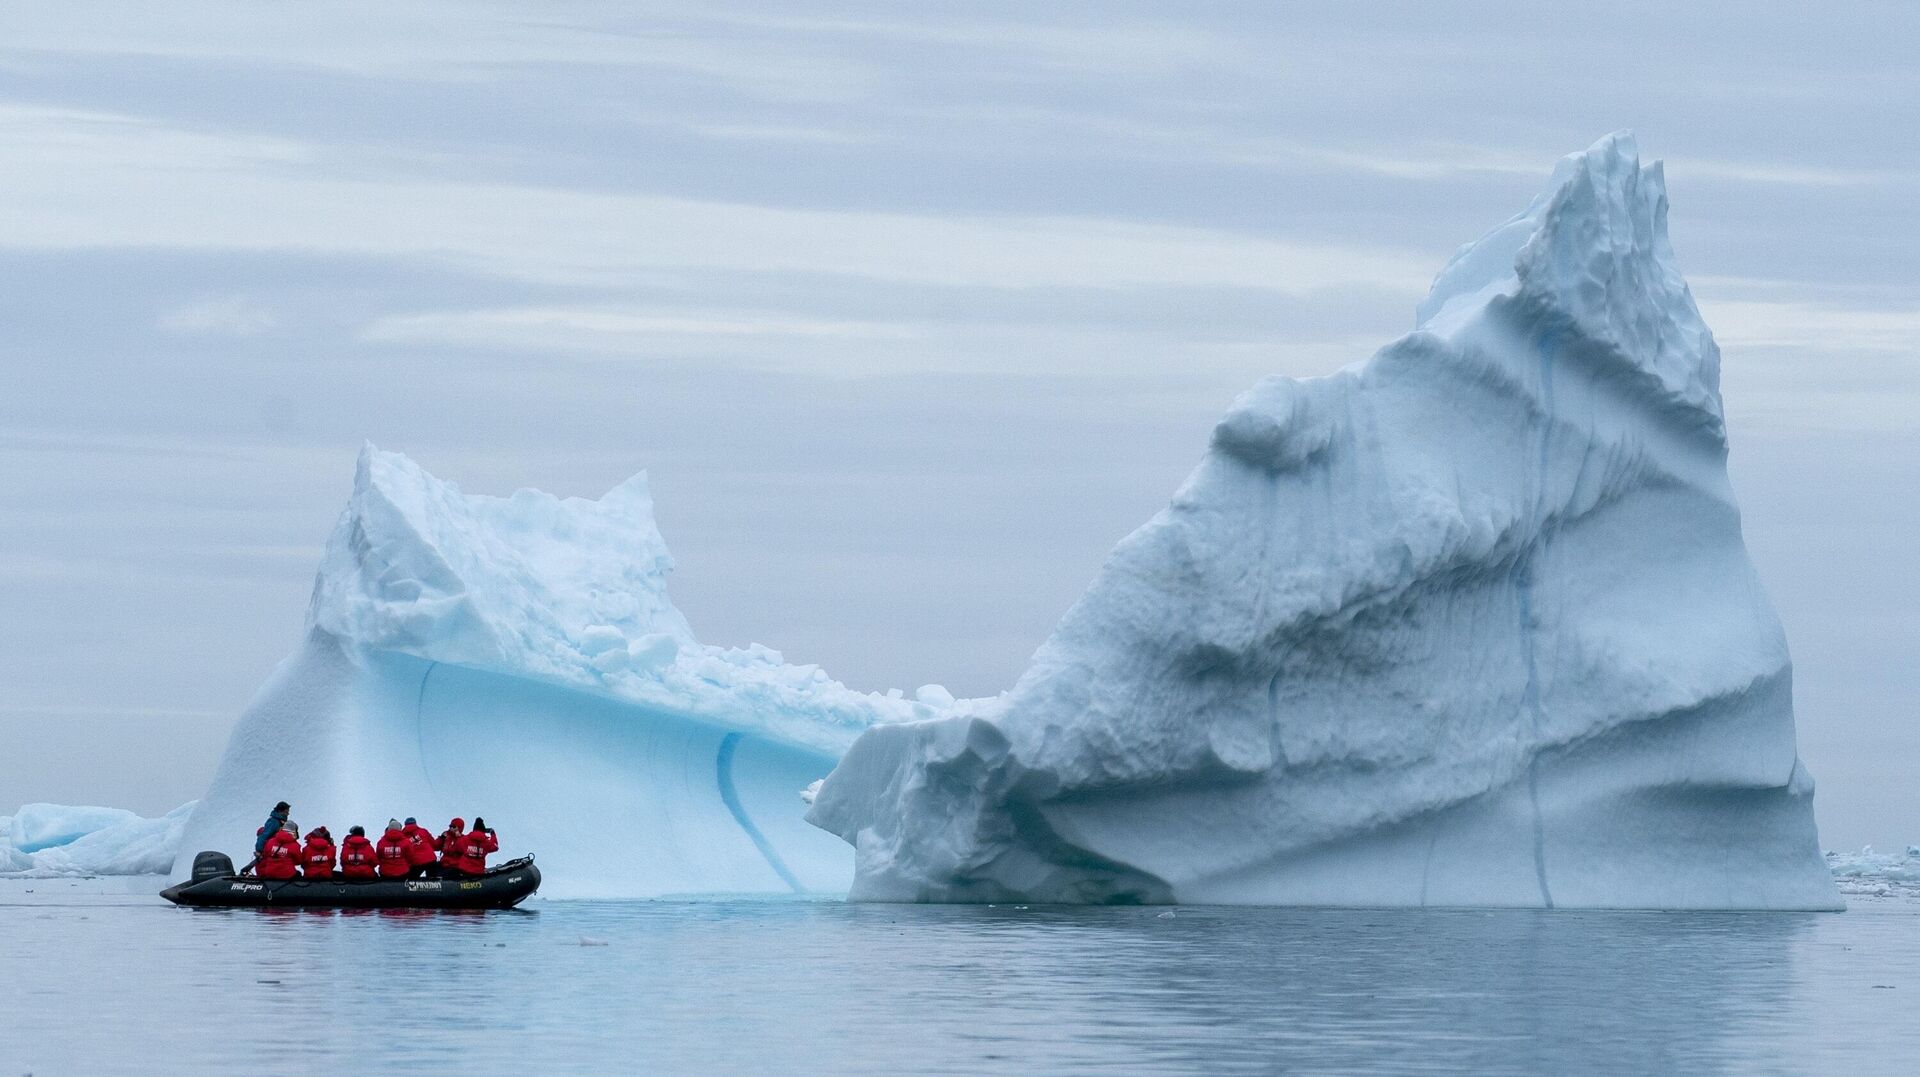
101 977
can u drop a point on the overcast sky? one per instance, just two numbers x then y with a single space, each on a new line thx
909 316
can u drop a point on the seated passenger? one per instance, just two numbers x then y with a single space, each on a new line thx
392 852
316 860
474 849
357 855
449 843
420 848
280 856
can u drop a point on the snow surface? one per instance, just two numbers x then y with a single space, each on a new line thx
519 658
43 840
1470 623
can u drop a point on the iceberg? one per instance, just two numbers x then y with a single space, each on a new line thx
518 658
1470 623
42 840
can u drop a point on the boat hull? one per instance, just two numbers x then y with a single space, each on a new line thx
500 888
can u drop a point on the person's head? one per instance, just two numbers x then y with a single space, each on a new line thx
411 821
357 832
457 824
479 823
393 824
282 809
289 828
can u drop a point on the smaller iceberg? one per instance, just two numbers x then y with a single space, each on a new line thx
45 840
519 658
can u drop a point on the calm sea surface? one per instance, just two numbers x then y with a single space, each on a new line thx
94 981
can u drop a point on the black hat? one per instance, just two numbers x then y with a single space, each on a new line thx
359 831
283 806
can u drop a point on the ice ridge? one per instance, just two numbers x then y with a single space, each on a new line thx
567 590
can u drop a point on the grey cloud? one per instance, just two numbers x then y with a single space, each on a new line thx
181 396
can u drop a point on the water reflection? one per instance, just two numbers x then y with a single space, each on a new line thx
1402 990
716 987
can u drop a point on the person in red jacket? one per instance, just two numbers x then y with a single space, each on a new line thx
316 859
280 856
475 847
449 843
392 852
357 855
420 848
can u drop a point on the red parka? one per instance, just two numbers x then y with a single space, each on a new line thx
316 860
281 857
357 857
474 849
449 843
392 852
420 844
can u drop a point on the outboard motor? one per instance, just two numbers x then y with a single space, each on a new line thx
210 865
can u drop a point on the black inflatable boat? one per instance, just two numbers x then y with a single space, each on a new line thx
214 883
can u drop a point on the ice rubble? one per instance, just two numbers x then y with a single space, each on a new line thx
42 840
519 658
1470 623
1874 874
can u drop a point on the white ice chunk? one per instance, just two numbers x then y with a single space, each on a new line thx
598 638
934 695
655 651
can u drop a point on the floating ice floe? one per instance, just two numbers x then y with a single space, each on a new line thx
1869 873
43 840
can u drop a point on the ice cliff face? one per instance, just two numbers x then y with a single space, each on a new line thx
1470 623
519 658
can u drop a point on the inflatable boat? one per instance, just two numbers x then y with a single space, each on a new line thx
214 883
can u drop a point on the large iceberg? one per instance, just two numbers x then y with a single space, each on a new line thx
1469 623
518 658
